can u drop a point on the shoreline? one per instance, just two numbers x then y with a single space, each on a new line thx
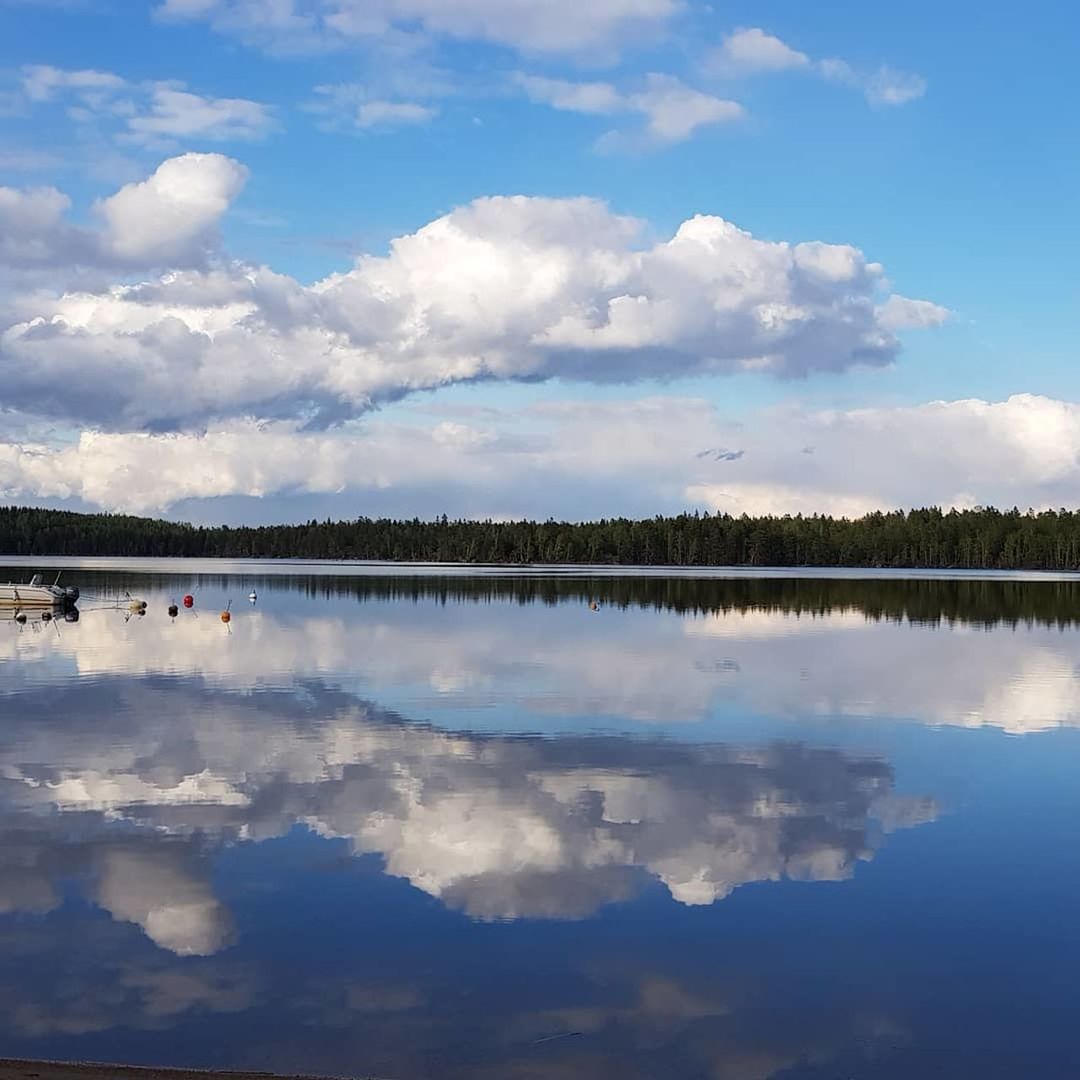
287 566
20 1069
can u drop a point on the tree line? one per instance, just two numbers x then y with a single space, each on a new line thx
983 539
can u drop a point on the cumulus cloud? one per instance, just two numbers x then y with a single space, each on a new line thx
171 217
753 51
503 288
33 231
672 111
556 26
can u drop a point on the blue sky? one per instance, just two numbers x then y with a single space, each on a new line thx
938 141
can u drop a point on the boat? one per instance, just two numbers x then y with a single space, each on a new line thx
36 595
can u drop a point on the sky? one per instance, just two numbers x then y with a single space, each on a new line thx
268 260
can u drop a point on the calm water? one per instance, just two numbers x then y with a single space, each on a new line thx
432 826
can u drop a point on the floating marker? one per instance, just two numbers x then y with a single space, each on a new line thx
253 596
173 611
189 601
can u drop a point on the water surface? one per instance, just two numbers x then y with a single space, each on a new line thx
434 824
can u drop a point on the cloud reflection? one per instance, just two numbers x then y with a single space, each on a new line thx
499 827
623 666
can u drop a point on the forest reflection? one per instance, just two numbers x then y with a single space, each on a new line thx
986 602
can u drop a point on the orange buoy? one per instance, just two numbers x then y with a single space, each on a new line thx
226 617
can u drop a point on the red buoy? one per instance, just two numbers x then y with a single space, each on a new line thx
189 601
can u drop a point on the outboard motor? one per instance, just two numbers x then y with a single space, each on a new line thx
71 595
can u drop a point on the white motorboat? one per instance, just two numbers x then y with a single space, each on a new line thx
36 595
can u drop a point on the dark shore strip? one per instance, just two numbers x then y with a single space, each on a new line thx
11 1069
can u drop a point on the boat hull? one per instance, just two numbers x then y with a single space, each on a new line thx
33 597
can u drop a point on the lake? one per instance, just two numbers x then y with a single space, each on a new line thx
422 823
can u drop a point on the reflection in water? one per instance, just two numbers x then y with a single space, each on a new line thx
466 661
983 601
317 844
126 792
499 827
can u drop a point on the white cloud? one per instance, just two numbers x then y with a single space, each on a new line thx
504 288
553 26
885 86
372 114
675 111
600 98
41 82
779 498
591 459
180 114
32 227
168 220
747 52
355 107
172 216
902 313
753 51
1023 451
16 159
147 113
672 110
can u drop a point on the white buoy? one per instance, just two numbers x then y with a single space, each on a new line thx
252 596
